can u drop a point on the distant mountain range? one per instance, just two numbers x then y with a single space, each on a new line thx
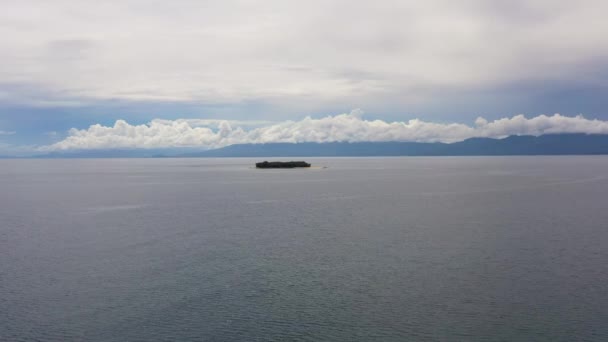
555 144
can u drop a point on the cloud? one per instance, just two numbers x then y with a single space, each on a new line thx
314 51
7 132
18 150
215 123
351 127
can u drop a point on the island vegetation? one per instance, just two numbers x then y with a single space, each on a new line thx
281 165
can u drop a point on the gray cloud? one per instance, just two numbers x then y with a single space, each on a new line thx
313 51
351 127
34 95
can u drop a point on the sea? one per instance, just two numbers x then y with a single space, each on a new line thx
352 249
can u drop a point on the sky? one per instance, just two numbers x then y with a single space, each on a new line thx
150 74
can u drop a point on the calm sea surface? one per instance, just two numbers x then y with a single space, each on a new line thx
367 249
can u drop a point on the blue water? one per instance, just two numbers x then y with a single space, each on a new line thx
386 249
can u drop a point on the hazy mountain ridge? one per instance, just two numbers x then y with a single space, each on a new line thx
559 144
554 144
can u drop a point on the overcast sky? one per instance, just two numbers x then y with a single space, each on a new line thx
68 68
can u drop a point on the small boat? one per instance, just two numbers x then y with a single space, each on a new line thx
281 165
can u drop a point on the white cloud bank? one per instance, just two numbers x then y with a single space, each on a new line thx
7 132
349 127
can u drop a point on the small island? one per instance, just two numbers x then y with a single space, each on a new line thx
281 165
